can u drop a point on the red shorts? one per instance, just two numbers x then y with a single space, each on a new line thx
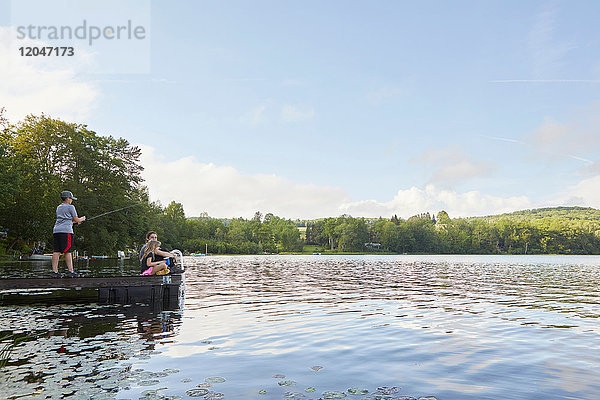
63 242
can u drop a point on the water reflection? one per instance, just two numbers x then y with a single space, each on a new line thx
462 287
85 267
81 351
456 327
316 327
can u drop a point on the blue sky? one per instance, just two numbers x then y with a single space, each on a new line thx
318 108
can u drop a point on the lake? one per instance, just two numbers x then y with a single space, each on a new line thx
323 327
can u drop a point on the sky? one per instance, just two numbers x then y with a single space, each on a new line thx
320 108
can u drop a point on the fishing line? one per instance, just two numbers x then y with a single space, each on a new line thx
113 211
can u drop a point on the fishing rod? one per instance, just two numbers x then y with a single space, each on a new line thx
113 211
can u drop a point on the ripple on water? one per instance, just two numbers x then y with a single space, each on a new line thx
344 327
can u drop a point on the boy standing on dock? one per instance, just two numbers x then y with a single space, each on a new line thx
66 215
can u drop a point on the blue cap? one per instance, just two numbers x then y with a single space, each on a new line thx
65 193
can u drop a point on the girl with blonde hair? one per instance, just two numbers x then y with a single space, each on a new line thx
149 265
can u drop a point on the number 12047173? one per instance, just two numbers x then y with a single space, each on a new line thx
47 51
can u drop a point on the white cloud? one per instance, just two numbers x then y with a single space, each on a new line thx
551 135
585 193
416 200
555 140
453 165
43 84
291 113
223 191
592 169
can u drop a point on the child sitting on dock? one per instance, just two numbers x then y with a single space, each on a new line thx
150 265
159 254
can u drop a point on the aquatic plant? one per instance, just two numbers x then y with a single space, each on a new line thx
6 349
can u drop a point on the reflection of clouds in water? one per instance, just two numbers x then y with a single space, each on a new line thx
456 385
454 326
474 321
468 286
573 375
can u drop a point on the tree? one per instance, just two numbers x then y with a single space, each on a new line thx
422 229
237 231
174 212
330 231
443 218
45 156
352 233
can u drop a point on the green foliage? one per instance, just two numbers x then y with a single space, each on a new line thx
7 343
394 235
238 236
556 213
41 156
443 218
344 233
546 231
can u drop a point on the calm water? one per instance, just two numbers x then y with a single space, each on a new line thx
311 327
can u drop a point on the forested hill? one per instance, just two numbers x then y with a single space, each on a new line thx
561 230
563 213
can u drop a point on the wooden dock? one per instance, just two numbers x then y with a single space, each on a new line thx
161 291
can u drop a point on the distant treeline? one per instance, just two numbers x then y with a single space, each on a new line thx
563 230
270 234
41 156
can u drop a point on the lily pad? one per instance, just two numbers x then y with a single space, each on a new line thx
286 383
158 396
293 396
214 379
357 391
204 385
388 389
214 396
170 370
332 394
149 383
200 391
197 392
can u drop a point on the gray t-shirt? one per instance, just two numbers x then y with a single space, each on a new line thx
64 218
